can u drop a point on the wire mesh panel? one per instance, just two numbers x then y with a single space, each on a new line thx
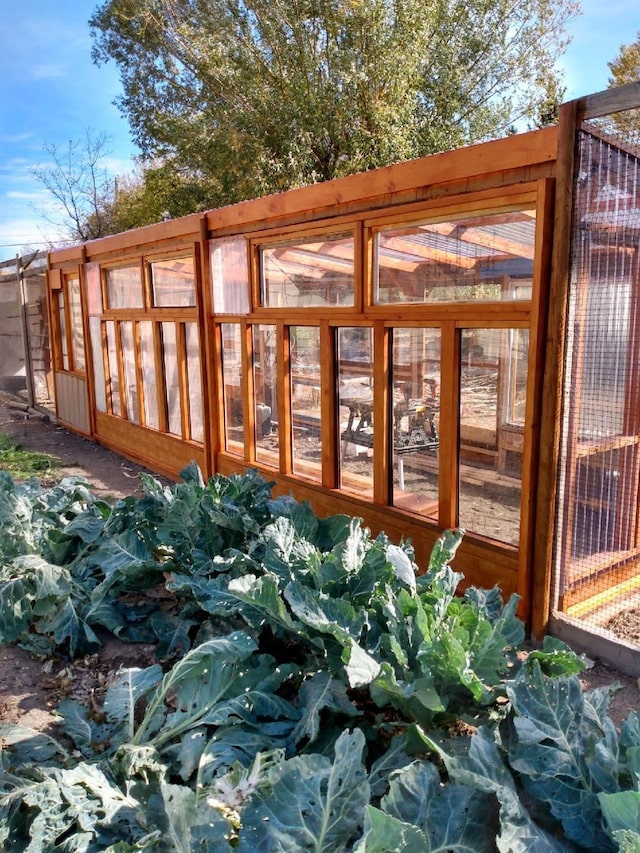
597 558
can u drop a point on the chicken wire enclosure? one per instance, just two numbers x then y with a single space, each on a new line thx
597 574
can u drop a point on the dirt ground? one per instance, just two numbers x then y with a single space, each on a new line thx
30 689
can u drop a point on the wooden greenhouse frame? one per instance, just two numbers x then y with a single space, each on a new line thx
386 345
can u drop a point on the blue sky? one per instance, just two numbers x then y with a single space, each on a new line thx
50 93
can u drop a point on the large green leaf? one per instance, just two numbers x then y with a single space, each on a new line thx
309 803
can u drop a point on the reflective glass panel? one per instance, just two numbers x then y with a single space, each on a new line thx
149 383
313 272
264 381
173 283
129 365
171 379
77 332
114 375
229 275
493 381
305 401
195 386
355 409
481 258
62 318
95 330
232 388
415 422
124 287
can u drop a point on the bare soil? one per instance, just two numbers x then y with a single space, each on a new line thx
31 689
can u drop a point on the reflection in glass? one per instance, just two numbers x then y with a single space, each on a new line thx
129 366
232 389
149 384
114 376
95 330
305 401
171 378
415 376
62 318
313 272
173 283
480 258
264 378
229 275
124 287
193 378
493 380
355 409
77 332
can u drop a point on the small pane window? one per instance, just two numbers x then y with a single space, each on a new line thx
229 275
77 332
149 382
171 378
232 389
129 366
94 289
196 429
306 429
264 380
114 375
99 379
355 409
62 319
124 287
309 273
416 419
482 258
493 381
173 283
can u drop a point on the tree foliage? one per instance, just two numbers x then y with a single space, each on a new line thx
257 96
625 68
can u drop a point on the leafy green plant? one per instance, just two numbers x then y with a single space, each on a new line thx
24 464
308 695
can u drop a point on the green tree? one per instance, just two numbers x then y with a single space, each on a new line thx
625 68
257 96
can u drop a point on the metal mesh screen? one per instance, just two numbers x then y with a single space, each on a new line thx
598 544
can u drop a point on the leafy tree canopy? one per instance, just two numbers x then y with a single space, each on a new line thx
625 68
257 96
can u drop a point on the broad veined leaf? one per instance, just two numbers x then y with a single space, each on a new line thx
360 666
131 685
309 803
334 616
418 698
321 692
403 567
622 816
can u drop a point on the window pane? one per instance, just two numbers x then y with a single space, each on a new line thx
311 272
481 258
195 386
229 275
492 401
95 329
129 365
416 419
149 384
232 393
114 377
355 409
305 401
64 351
173 283
77 332
94 289
171 378
265 380
124 288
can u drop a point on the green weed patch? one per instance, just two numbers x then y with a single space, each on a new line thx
23 464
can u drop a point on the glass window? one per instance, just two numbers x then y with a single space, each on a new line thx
95 330
355 409
229 275
314 272
415 376
196 429
265 385
94 289
306 436
484 257
62 319
232 388
173 283
129 365
124 287
149 382
114 375
171 377
77 332
493 381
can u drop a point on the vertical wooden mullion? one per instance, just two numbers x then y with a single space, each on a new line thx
328 406
183 380
382 402
552 386
283 367
449 454
208 375
161 380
